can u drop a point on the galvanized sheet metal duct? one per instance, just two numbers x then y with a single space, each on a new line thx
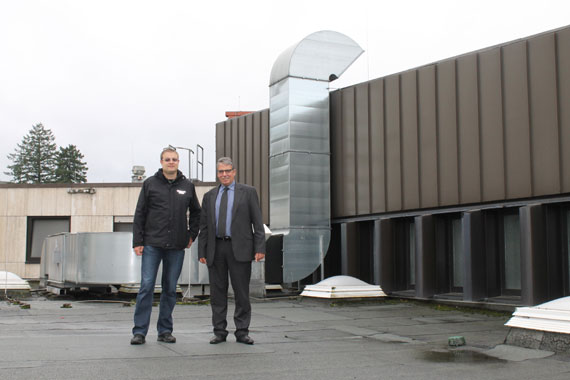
299 157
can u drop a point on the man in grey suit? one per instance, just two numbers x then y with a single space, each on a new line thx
231 236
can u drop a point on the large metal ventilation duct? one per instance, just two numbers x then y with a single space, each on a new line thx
299 180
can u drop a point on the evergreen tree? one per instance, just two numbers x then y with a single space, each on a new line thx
34 158
69 167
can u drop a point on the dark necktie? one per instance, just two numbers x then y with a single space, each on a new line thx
223 213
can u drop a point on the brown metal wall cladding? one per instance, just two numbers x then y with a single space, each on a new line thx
246 140
487 126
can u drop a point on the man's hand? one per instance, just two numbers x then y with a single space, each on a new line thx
259 256
138 250
203 260
189 243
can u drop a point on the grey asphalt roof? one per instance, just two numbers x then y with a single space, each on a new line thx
294 338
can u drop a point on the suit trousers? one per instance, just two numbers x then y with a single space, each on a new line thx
239 274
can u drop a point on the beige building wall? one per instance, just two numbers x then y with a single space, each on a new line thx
88 212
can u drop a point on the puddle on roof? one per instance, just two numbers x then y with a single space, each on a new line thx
458 356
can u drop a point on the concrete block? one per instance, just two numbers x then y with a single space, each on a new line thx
556 342
524 338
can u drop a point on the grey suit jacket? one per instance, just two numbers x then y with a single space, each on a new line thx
246 213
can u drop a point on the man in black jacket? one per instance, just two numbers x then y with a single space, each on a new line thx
161 231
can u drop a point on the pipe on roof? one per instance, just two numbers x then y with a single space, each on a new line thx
299 158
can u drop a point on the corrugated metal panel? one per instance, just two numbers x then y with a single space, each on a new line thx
348 155
491 117
337 195
468 130
239 158
410 163
563 66
427 128
544 115
489 125
447 134
256 158
362 149
220 138
233 153
393 143
228 140
246 140
264 191
249 149
377 157
517 124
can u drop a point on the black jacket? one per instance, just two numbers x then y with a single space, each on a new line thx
248 234
161 218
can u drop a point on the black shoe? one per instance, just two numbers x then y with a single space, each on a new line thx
245 339
138 339
217 339
166 338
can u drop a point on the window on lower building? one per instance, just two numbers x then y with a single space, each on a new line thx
122 227
38 229
123 224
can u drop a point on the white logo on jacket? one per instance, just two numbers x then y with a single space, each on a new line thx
181 192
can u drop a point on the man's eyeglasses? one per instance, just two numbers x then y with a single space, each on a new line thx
226 171
170 159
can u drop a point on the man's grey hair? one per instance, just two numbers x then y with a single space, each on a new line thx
225 161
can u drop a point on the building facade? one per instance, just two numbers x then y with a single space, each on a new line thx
451 180
29 213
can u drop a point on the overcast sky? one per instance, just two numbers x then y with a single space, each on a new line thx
123 79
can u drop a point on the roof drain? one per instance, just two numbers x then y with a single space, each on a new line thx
299 158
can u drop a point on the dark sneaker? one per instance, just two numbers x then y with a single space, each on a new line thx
245 339
138 339
217 339
166 338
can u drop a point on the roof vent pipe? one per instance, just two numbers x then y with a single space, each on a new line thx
299 157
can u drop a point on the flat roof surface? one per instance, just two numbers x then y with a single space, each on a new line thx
294 339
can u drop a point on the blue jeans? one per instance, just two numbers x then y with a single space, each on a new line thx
172 261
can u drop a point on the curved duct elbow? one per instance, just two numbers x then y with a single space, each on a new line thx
318 56
299 161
